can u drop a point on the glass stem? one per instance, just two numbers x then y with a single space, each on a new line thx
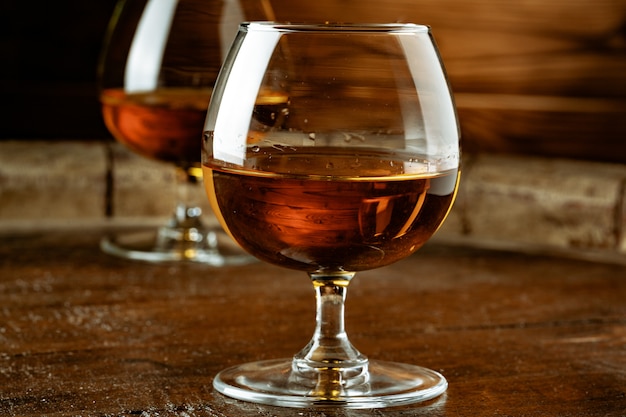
186 214
329 363
185 227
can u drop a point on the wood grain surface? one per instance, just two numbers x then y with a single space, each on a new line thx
84 334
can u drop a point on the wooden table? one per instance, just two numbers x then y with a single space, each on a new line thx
85 334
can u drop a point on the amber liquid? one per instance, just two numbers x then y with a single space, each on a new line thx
348 216
164 124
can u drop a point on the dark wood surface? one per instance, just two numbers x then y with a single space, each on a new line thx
85 334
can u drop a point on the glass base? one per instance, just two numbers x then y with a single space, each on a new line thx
170 244
381 384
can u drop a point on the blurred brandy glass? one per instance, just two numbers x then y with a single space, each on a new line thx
331 149
157 71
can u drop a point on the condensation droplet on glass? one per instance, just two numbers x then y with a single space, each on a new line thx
348 136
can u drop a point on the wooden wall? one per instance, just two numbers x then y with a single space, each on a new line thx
529 76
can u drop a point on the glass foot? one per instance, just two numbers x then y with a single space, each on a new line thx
380 384
168 244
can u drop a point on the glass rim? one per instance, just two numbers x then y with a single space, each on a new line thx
335 27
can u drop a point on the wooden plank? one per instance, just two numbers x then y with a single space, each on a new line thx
581 128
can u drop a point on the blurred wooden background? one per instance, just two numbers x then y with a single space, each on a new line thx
530 76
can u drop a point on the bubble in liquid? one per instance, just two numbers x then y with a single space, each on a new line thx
255 149
312 136
330 165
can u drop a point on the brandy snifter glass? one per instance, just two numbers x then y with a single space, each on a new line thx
156 74
331 149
